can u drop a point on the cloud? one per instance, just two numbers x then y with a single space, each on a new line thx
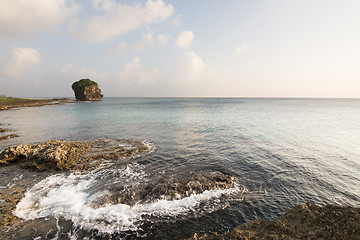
241 48
134 72
194 66
184 39
83 72
21 18
117 19
146 40
190 69
19 61
192 72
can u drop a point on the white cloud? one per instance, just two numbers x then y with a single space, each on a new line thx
19 18
192 68
241 48
184 39
19 61
134 72
194 74
146 40
83 72
117 18
195 64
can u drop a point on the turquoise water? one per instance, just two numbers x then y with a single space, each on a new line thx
281 152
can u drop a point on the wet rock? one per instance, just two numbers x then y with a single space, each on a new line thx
302 222
169 188
3 130
8 136
4 134
70 155
9 197
86 90
42 228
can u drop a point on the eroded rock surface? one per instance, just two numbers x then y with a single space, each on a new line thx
301 222
70 155
9 197
172 188
86 90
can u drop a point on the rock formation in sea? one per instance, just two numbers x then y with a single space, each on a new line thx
86 90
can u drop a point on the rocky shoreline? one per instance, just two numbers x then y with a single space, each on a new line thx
301 222
11 103
59 155
56 155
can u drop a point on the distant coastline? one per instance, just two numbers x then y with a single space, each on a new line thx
11 102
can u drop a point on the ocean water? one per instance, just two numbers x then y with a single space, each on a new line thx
280 153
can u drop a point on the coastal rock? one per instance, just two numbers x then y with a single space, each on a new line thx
86 90
4 134
8 136
70 155
301 222
9 197
169 188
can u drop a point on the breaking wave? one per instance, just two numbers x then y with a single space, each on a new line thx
72 197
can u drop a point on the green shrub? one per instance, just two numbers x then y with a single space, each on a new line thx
86 82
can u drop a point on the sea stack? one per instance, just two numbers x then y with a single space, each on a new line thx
86 90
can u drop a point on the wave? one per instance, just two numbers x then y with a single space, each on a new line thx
72 197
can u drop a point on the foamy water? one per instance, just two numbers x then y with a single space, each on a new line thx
70 197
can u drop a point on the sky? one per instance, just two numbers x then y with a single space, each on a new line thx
168 48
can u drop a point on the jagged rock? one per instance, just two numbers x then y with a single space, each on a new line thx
9 197
169 188
70 155
86 90
301 222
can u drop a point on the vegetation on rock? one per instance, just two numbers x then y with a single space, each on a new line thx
86 82
86 90
12 99
10 102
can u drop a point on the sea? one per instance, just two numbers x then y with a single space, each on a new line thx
279 152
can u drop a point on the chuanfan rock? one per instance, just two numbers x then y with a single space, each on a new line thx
86 90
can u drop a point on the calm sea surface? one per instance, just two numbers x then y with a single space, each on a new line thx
280 152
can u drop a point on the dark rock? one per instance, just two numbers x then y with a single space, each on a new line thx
8 136
86 90
301 222
169 188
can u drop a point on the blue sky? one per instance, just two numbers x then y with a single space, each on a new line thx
159 48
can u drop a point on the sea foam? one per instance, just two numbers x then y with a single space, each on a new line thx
70 197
